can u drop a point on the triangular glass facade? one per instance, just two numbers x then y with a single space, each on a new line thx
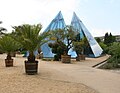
57 23
79 26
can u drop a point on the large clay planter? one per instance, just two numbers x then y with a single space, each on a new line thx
66 58
82 57
9 62
31 68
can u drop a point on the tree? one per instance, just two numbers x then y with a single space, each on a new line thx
58 48
8 45
104 47
56 43
30 38
80 46
114 51
98 39
108 39
112 38
69 37
62 40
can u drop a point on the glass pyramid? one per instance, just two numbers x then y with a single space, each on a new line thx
79 26
57 23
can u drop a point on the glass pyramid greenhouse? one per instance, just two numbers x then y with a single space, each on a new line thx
59 23
96 50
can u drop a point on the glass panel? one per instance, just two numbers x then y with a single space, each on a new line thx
57 23
79 26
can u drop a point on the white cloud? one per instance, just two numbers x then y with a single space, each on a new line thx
17 12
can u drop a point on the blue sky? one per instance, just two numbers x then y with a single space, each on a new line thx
99 16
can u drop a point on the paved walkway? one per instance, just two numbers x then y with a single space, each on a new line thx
82 72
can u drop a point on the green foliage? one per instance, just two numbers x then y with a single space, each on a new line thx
58 49
98 39
8 44
29 37
78 47
114 49
70 37
62 41
108 39
114 60
104 47
108 66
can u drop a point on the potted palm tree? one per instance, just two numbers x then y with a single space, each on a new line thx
31 39
8 45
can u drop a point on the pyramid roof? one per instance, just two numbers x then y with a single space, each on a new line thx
80 27
57 23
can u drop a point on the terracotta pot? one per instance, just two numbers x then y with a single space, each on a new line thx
9 62
31 68
66 58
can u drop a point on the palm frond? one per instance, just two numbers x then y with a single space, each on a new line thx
29 37
7 44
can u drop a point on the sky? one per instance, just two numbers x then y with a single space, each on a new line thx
99 16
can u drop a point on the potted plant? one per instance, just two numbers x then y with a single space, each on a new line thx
69 38
63 38
58 49
8 45
85 46
77 47
31 39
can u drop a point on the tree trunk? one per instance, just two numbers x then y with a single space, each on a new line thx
9 61
8 56
31 57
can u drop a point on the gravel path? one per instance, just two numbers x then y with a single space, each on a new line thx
48 80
